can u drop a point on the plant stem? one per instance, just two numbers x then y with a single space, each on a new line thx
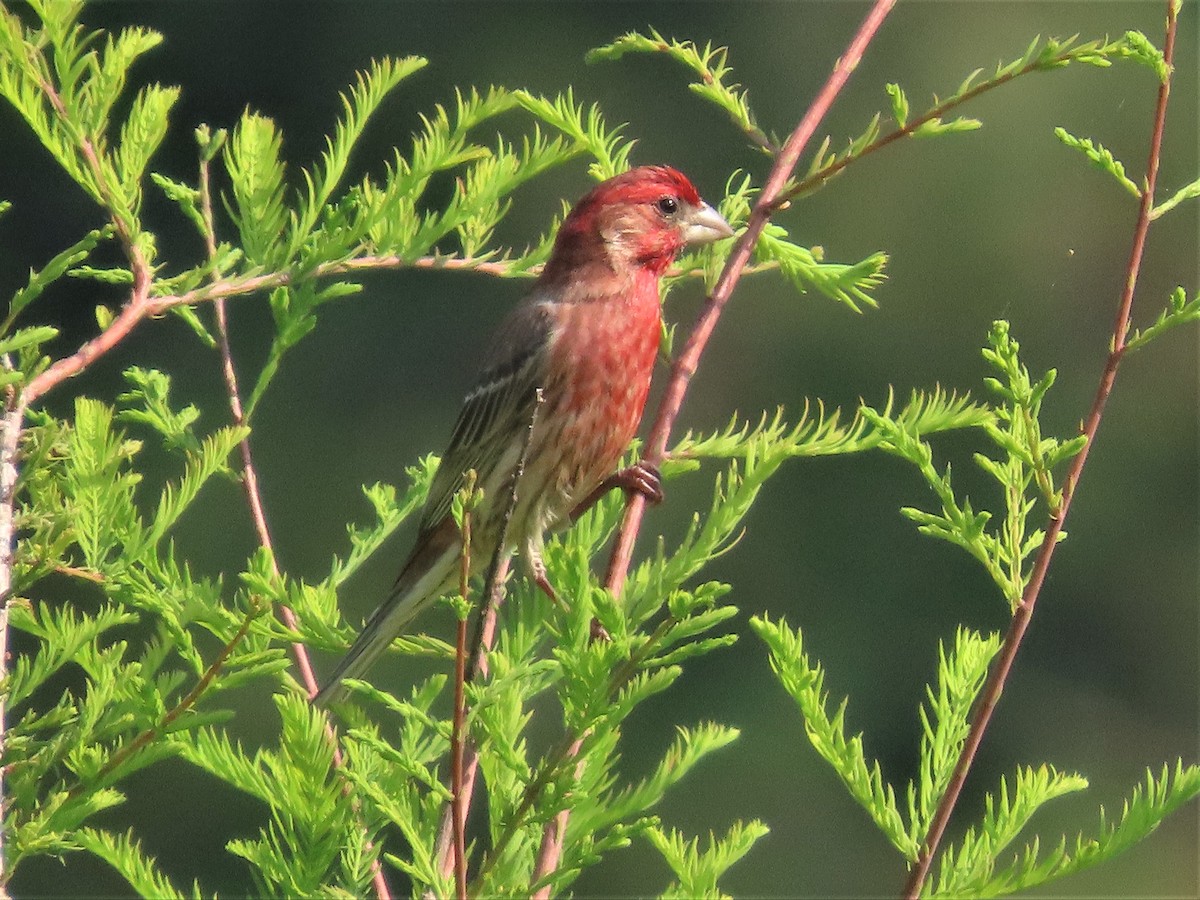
258 513
10 441
689 359
819 177
482 642
188 701
457 800
994 687
466 761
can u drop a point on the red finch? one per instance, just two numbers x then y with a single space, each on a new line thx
587 337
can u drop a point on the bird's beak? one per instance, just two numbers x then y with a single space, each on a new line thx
705 225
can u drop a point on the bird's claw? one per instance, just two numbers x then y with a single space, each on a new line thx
642 478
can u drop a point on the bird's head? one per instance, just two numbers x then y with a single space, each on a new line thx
641 218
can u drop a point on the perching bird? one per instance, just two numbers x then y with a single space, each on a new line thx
587 336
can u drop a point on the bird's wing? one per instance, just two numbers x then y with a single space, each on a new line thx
496 412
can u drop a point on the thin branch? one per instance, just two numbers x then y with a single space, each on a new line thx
485 631
258 514
10 440
189 700
689 359
77 572
686 363
458 807
249 474
992 690
555 832
819 177
141 305
485 636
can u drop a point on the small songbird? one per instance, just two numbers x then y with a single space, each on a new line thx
586 337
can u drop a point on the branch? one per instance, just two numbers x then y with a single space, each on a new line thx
685 365
687 362
10 440
484 637
141 305
466 762
188 701
992 690
822 175
458 800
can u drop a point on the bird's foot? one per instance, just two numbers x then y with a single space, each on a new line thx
640 478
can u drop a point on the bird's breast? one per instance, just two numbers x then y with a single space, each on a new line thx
603 357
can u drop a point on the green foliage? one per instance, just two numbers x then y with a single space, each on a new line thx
711 68
60 265
697 870
944 722
848 284
585 128
805 683
301 852
1024 470
1179 311
1189 191
125 854
256 176
1040 56
130 667
970 869
1100 157
65 86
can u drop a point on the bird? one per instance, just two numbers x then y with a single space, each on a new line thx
574 358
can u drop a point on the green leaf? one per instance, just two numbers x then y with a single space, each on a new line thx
27 337
967 868
899 104
1136 46
200 467
1179 311
697 871
945 721
358 106
256 174
711 68
691 745
147 402
126 856
141 134
848 284
53 270
585 128
935 126
1100 157
1185 193
187 198
63 634
804 681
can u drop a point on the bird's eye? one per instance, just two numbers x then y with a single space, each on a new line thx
668 206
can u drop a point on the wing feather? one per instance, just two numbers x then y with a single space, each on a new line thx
495 412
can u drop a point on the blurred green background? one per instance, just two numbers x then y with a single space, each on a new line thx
1003 222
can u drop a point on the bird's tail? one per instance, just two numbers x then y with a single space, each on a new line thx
425 577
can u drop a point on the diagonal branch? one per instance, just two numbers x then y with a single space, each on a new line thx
254 496
689 359
10 439
992 690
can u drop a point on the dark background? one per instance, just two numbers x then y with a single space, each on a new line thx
1003 222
